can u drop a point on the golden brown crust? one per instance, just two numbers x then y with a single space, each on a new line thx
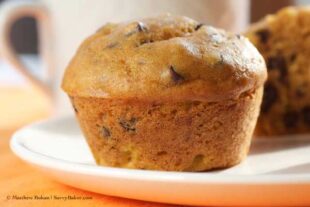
166 57
183 136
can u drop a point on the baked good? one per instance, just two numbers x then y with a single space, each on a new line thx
166 93
284 41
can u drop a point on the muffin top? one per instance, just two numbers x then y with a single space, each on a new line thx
164 58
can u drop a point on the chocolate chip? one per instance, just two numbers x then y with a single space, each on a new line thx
128 125
198 26
161 153
277 62
300 93
238 36
176 78
269 98
290 119
141 27
293 57
145 41
105 132
263 35
221 61
306 115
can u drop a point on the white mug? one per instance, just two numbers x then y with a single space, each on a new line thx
63 24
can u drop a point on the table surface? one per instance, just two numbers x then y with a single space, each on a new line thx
19 106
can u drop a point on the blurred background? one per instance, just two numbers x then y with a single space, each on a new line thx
25 39
20 104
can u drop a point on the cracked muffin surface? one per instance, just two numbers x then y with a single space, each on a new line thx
166 93
284 41
166 57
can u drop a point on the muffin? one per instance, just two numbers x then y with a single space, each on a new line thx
166 93
284 41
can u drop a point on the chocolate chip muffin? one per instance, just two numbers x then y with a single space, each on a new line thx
284 41
166 93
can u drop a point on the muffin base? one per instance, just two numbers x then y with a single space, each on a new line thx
182 136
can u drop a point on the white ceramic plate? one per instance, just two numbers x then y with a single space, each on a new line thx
277 172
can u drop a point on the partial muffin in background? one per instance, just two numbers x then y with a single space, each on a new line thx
166 93
284 41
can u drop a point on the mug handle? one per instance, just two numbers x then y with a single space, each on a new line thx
11 11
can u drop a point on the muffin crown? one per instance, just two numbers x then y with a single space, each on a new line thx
166 57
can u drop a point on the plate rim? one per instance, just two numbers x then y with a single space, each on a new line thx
39 159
